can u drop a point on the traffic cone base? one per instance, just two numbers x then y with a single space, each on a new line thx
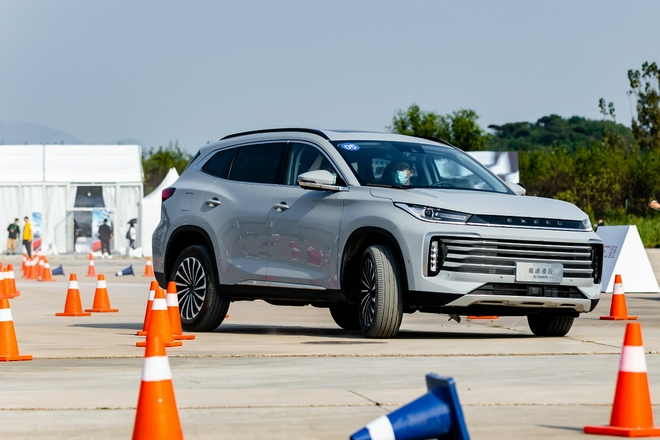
183 337
619 318
19 357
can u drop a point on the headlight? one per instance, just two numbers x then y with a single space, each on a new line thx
431 214
587 224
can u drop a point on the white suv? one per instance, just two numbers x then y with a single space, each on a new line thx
370 226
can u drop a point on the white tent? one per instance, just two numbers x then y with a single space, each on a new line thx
59 186
150 213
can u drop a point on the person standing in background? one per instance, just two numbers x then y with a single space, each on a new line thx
131 235
105 235
27 236
14 232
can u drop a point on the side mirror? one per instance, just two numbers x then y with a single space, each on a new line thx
319 179
517 189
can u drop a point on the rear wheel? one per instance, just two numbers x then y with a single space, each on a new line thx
550 325
381 305
346 316
201 307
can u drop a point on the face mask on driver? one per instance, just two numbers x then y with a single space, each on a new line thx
401 177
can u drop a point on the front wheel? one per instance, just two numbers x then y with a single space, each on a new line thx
549 325
381 305
201 307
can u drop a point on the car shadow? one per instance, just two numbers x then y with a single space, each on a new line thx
113 325
239 329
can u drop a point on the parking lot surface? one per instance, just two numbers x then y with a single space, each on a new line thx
287 372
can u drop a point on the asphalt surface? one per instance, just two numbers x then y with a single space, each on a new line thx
287 372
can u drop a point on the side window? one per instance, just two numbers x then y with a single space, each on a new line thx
219 164
303 158
258 163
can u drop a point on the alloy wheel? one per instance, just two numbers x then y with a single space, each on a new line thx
191 286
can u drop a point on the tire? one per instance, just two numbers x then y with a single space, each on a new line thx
381 305
550 325
200 306
346 317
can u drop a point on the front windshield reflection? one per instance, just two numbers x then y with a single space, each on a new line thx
412 165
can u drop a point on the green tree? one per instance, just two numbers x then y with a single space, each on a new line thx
645 85
156 163
459 128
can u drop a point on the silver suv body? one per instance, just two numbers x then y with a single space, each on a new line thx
370 226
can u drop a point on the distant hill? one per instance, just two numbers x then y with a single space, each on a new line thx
33 133
552 130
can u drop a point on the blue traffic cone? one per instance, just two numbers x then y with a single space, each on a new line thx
435 415
127 271
57 271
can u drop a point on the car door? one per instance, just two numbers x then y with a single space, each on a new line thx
236 209
304 224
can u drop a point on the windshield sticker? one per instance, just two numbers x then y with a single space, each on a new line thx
350 147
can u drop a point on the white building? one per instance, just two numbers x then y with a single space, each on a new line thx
62 186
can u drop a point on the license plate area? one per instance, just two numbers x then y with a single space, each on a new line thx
552 273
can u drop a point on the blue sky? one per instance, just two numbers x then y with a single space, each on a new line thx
159 71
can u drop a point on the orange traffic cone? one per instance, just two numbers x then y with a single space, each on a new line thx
160 322
481 317
174 314
101 300
3 285
31 269
24 266
73 306
157 415
91 271
632 415
618 309
8 344
12 280
147 312
46 275
40 266
149 268
9 292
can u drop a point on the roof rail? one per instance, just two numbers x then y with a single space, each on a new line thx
278 130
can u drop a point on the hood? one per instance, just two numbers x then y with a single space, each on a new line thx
483 203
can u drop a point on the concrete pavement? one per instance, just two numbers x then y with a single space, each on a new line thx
285 372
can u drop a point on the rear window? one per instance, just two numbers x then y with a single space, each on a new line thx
258 163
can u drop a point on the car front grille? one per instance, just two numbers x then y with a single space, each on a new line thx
499 257
544 291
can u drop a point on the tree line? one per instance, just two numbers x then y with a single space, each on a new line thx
607 169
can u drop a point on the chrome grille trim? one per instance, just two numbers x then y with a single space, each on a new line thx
499 257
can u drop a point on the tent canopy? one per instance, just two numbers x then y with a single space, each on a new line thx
150 212
71 163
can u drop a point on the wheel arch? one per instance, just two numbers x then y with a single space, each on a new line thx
181 238
355 245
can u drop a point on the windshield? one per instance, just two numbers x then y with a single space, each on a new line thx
413 165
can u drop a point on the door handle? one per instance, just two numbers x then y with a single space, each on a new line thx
282 206
213 202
